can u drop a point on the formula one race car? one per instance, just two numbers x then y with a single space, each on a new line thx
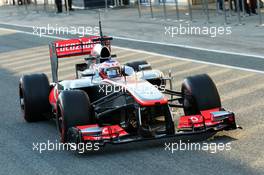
113 103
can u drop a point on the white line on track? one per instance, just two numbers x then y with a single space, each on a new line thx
151 53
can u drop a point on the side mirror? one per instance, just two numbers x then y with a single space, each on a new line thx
127 71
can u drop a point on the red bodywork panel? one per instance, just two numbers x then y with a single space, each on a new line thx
196 121
95 133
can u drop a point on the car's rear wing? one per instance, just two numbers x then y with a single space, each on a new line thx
73 47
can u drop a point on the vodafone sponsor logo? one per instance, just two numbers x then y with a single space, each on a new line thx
65 47
61 47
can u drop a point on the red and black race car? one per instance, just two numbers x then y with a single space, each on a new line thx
113 103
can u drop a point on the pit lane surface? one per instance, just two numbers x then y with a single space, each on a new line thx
241 92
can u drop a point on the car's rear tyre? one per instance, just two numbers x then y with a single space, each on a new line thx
34 97
200 94
135 64
74 109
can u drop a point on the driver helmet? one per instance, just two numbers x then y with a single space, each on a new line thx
110 69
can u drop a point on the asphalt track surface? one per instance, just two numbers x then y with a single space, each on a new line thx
241 92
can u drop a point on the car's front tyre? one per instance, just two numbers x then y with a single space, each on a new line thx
200 93
73 109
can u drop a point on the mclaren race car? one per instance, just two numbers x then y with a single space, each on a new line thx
112 103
